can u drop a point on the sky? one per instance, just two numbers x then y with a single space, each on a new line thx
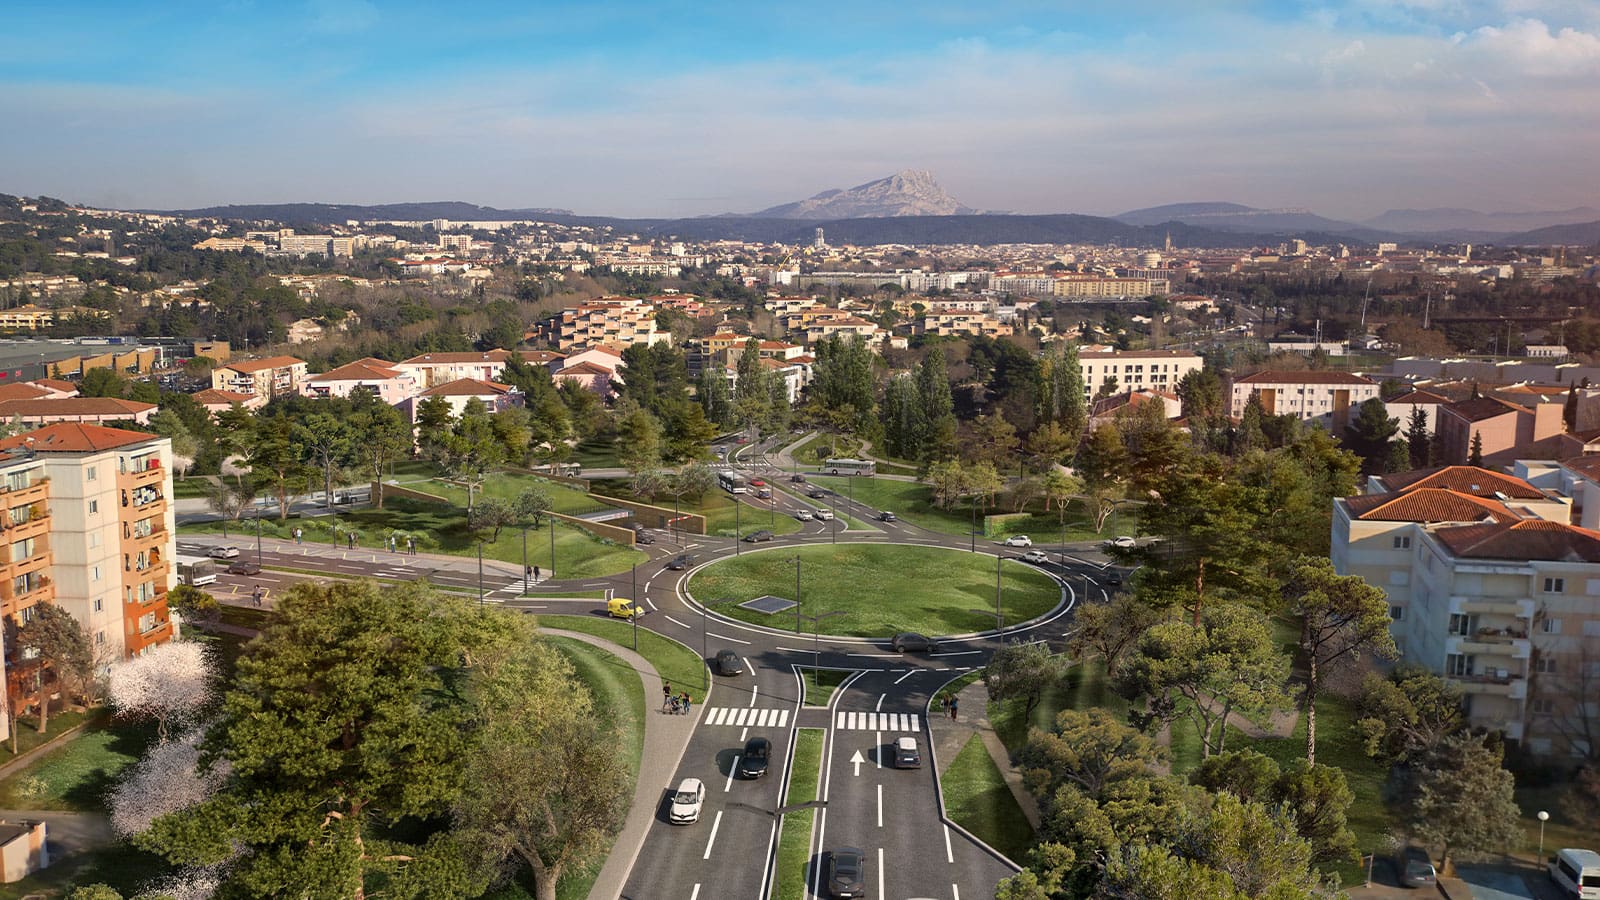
676 109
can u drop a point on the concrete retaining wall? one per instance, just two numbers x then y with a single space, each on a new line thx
656 516
614 533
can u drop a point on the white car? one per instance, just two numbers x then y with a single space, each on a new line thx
1035 556
1124 542
804 515
1019 540
686 801
223 552
825 515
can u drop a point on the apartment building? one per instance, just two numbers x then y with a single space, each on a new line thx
25 564
384 379
1501 427
112 533
494 397
947 322
617 321
1400 408
1493 590
433 369
1092 286
274 376
1325 397
1135 370
96 410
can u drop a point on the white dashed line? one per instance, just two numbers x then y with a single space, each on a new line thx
725 638
714 826
674 621
949 854
908 674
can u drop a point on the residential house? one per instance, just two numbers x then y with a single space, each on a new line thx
1504 428
275 376
96 410
459 393
1104 411
1401 407
216 401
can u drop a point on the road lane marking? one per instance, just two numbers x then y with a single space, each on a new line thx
755 689
649 604
908 674
880 701
877 760
955 892
791 650
724 638
674 621
696 892
647 587
880 805
915 725
957 653
880 873
949 854
732 771
715 716
714 826
875 655
741 716
765 715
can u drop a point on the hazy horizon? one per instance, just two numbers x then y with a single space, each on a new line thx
1345 108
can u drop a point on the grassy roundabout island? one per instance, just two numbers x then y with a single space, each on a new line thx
880 588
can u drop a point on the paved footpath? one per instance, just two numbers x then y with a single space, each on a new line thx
950 737
666 736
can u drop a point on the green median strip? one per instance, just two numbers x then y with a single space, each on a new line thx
794 844
977 798
820 685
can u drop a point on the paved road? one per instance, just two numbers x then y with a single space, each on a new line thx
893 815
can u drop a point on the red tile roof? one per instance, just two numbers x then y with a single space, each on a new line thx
22 390
1483 408
467 387
1419 397
440 359
1308 377
1426 505
74 437
583 368
213 395
1524 540
1587 466
56 384
1463 480
271 362
70 407
369 369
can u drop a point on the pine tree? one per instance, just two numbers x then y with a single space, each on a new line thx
1417 437
1569 411
938 407
1475 457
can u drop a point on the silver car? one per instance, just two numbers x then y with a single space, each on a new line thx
686 801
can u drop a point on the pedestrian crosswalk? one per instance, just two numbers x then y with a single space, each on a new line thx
865 721
746 715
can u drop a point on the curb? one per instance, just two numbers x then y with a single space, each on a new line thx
938 782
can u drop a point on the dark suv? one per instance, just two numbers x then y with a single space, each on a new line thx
753 764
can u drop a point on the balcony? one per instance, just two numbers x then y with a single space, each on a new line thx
32 591
1488 643
1514 607
1497 683
33 493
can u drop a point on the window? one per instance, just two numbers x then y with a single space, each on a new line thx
99 604
1555 585
1457 665
94 539
1591 628
1544 664
94 507
94 573
1543 706
1397 613
90 474
1551 626
1402 542
1399 577
99 636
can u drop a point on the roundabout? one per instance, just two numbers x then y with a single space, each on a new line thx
877 589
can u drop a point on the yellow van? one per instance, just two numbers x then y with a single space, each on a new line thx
623 608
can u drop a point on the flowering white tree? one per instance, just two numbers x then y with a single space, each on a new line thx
166 780
170 683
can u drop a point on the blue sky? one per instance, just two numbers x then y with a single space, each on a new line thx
1349 108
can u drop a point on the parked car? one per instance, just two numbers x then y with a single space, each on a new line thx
816 493
642 535
728 663
680 562
753 762
1122 542
825 515
910 640
847 876
758 537
1035 556
243 567
804 515
1019 540
1414 868
220 552
687 801
887 516
906 754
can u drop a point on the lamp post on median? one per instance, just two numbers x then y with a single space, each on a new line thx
634 599
816 645
552 548
527 583
736 524
1543 818
480 571
796 561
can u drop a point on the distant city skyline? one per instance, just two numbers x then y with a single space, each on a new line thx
1347 108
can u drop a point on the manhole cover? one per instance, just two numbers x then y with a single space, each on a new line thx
768 604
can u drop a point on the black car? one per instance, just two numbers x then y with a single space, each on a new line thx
847 876
753 763
886 516
1114 579
728 663
816 493
797 478
242 567
641 535
910 640
680 562
758 537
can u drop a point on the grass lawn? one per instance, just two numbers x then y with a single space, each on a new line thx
1559 832
75 776
913 502
823 446
507 485
443 529
618 698
190 488
820 685
717 506
794 844
881 588
27 730
977 799
596 455
122 866
678 665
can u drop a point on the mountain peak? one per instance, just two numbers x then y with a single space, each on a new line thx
908 192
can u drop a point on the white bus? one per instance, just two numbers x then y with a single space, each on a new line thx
195 570
1577 873
850 467
732 482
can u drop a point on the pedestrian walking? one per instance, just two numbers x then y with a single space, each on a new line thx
527 576
953 703
391 543
944 703
686 703
536 573
666 694
298 534
255 595
411 546
351 539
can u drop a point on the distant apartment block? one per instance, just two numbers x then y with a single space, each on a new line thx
1074 286
305 244
234 244
433 369
954 322
1319 396
616 321
274 376
1135 370
385 380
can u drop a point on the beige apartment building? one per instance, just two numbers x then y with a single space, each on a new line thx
1490 587
615 321
112 533
1136 370
1321 396
274 376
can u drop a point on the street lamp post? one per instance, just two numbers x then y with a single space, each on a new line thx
258 536
633 597
796 561
527 584
997 617
974 508
736 506
480 572
552 548
1543 818
816 639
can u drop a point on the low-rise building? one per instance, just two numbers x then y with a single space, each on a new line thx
275 376
1314 396
95 410
494 397
216 401
1499 427
384 379
1135 370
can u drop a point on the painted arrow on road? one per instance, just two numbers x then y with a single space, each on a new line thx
856 761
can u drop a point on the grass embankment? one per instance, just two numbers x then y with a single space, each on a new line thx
439 528
814 450
619 699
913 502
794 844
506 486
676 664
820 685
977 799
723 516
881 588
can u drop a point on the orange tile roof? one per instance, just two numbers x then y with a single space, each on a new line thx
467 387
1524 540
67 407
1418 397
56 384
583 368
1465 480
22 390
360 370
1427 505
1587 466
75 437
1483 408
271 362
214 395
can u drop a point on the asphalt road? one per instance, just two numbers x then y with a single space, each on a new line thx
891 814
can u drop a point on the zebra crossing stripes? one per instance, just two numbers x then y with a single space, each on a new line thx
746 715
865 721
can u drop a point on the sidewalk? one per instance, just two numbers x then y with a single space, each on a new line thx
949 737
666 737
378 555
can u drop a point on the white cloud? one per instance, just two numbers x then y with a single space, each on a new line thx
1540 51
